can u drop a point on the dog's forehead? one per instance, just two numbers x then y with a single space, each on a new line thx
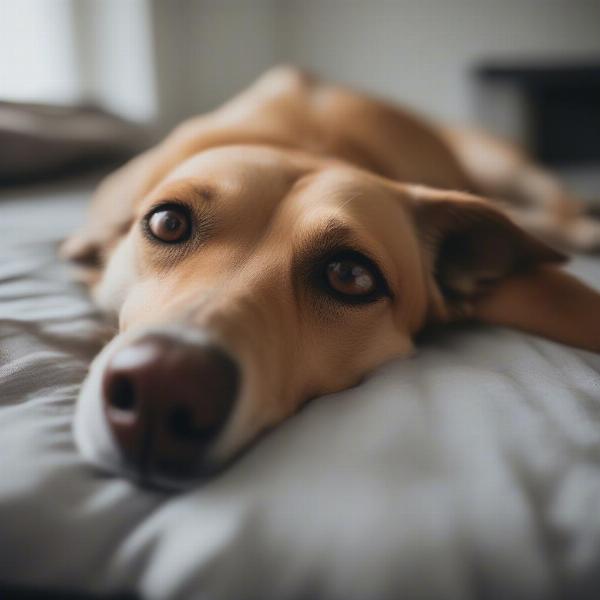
361 202
270 175
337 183
254 189
235 169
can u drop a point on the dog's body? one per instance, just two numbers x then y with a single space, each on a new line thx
288 243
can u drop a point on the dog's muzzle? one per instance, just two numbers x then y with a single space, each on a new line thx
165 401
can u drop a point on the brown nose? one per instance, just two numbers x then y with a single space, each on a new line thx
166 400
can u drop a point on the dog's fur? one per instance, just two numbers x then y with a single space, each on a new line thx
294 168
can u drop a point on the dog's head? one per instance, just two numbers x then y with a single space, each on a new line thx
253 279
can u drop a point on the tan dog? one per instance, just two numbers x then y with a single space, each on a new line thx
279 248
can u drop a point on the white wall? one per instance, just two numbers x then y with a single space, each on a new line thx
37 57
421 51
207 50
68 51
417 51
171 58
114 53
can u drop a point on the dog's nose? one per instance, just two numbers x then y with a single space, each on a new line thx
166 400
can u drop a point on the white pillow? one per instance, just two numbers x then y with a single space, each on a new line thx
472 470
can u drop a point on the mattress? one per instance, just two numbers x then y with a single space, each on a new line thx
469 471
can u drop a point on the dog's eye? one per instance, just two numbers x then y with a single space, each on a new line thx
353 278
169 224
350 278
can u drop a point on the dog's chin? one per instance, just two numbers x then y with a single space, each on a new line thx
155 480
165 482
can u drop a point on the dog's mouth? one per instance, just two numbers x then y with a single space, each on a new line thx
165 476
151 466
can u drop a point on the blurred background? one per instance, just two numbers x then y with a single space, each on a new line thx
527 69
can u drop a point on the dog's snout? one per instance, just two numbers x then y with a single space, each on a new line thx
166 401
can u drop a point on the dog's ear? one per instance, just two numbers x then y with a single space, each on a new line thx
470 246
110 214
483 266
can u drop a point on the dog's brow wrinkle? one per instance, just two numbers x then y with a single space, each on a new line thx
202 194
350 198
205 193
337 230
334 234
192 189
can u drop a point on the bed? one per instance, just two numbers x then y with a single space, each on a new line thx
469 471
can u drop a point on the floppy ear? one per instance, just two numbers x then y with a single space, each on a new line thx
110 214
483 266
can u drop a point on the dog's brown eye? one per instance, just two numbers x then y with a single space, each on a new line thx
350 278
169 225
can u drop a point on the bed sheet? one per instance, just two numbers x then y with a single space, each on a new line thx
469 471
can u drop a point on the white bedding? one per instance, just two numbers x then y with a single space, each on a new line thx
470 471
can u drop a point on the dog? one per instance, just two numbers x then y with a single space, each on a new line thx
286 244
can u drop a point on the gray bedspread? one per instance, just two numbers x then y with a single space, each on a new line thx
470 471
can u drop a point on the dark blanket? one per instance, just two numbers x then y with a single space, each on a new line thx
39 140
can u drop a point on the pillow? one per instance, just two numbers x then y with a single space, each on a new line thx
471 470
38 140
